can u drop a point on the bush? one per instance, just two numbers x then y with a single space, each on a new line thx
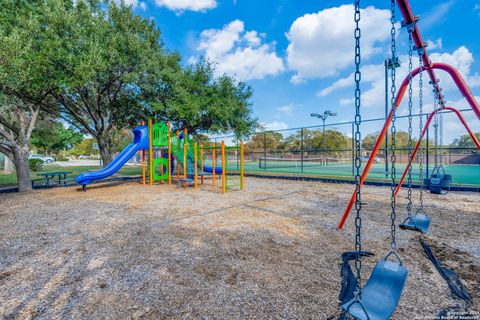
60 158
35 164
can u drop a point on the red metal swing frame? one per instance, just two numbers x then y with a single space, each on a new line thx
430 68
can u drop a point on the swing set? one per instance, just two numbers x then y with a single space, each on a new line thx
379 297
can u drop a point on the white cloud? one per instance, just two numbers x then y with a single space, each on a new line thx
252 38
143 5
321 44
183 5
461 59
437 44
239 53
434 16
373 82
286 109
453 128
274 125
129 3
339 84
297 79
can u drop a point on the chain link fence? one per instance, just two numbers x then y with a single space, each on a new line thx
328 151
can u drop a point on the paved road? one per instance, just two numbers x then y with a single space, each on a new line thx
78 163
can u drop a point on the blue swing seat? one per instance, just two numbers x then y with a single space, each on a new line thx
381 293
417 222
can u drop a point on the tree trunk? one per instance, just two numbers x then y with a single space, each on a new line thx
22 168
105 147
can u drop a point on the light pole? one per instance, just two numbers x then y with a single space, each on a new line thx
324 117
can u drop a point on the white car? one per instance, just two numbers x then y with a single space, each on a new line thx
45 159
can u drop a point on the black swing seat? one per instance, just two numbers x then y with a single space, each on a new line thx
418 222
381 294
440 183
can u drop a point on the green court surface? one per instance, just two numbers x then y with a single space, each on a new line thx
461 174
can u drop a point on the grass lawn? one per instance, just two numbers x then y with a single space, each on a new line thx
11 179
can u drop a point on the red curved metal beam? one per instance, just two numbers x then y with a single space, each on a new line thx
462 86
417 146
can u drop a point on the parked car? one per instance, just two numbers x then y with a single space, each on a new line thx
83 157
45 159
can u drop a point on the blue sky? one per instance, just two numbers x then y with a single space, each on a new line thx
298 54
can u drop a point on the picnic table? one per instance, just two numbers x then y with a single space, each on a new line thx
49 177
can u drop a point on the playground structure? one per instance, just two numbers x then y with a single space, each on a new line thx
173 157
379 297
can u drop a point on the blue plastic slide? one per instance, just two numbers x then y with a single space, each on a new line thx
140 141
218 170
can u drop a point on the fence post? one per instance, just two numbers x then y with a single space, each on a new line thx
242 169
427 146
386 115
265 150
301 150
353 149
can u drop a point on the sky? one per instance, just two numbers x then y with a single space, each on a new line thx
298 55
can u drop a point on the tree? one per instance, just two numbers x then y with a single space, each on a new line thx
268 139
103 69
294 141
121 139
84 148
195 99
465 141
25 81
334 140
51 135
106 56
401 140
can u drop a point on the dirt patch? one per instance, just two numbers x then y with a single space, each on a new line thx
126 250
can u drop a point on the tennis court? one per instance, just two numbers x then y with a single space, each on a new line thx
462 174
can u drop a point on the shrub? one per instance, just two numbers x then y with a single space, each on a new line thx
35 164
61 158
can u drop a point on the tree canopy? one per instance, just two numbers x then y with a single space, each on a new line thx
100 67
465 141
51 136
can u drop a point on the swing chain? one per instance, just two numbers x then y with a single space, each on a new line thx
410 106
435 126
441 137
358 141
393 128
420 106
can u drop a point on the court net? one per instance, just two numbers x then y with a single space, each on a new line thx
271 162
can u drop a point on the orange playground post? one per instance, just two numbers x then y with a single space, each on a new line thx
224 181
201 163
150 159
195 160
242 169
178 169
144 164
169 154
214 174
185 156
